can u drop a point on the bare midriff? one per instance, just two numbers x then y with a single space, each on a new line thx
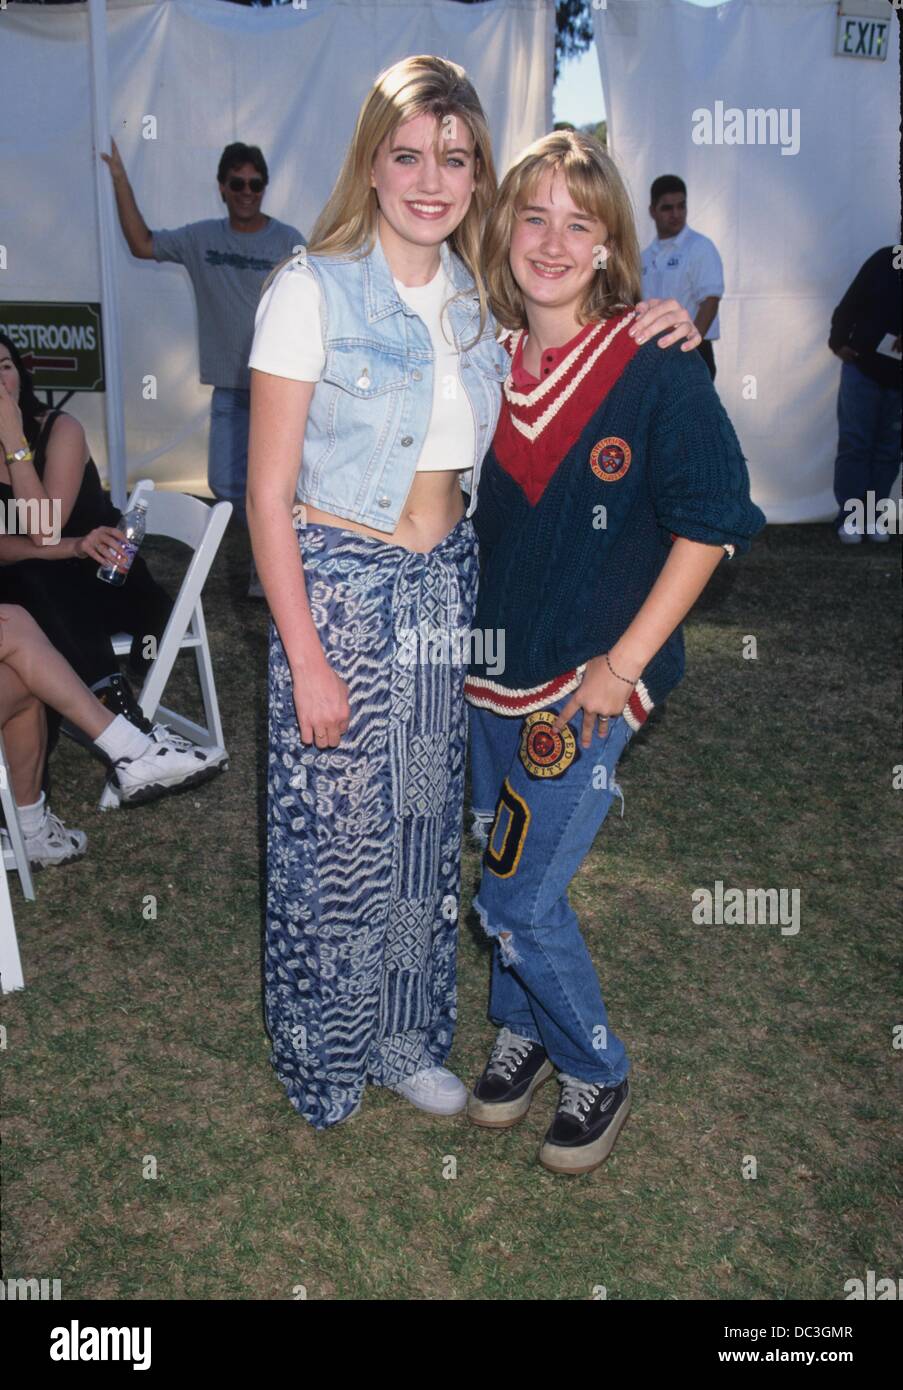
433 507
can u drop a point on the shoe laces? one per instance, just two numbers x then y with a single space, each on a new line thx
162 733
508 1054
577 1096
52 832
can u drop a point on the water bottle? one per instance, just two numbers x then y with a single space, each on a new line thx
133 525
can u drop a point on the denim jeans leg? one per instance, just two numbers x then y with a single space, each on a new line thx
886 455
543 829
493 743
227 454
856 420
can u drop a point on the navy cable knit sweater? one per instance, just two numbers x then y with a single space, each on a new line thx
564 587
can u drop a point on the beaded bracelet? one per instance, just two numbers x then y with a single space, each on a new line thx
614 673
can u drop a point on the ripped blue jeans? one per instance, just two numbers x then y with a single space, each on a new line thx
539 800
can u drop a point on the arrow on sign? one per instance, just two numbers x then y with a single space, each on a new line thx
49 364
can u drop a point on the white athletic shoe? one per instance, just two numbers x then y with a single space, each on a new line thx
54 843
880 537
847 533
435 1089
169 763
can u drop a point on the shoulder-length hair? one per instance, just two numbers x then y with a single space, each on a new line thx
417 86
598 190
31 406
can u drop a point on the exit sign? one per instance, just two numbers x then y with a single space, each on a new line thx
861 36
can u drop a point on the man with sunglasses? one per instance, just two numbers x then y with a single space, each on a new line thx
228 260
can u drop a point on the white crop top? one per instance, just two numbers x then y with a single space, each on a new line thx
288 341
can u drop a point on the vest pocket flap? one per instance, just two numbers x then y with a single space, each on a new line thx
363 372
489 357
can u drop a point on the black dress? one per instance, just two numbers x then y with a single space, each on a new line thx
76 610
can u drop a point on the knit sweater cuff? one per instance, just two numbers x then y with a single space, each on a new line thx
638 707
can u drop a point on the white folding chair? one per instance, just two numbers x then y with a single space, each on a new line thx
194 523
14 856
11 976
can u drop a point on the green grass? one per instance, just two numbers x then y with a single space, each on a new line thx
140 1037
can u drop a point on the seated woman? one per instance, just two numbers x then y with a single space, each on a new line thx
48 575
144 766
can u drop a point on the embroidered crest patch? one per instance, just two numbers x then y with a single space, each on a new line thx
610 459
544 751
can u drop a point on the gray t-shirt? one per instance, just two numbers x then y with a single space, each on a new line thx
227 270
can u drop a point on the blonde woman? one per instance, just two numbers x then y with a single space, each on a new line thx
375 366
614 487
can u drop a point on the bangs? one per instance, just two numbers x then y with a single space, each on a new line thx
596 190
581 176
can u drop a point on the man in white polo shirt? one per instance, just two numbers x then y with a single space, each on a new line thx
683 264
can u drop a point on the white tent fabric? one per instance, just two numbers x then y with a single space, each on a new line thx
290 80
792 229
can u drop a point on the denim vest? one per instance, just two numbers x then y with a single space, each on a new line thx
371 408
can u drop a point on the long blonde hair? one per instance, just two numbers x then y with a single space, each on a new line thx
597 189
422 85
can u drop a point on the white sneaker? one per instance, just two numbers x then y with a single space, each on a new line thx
879 537
169 763
54 843
847 534
435 1089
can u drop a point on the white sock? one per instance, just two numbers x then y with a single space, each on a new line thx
122 739
31 818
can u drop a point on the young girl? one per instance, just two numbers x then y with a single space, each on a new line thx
375 365
613 488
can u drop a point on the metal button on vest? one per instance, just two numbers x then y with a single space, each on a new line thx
407 441
363 381
383 500
418 376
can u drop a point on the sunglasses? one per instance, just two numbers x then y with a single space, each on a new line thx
239 185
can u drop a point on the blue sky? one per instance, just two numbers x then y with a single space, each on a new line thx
578 92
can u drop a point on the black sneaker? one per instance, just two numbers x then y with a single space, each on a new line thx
503 1093
586 1124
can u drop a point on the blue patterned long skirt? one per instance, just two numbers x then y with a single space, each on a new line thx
364 840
